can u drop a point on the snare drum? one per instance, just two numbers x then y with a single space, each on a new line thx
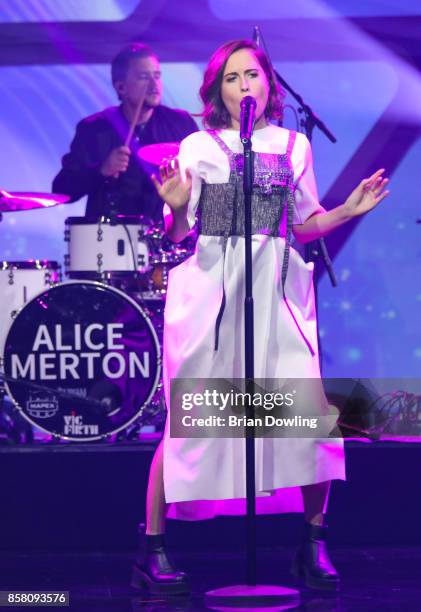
97 249
82 361
20 281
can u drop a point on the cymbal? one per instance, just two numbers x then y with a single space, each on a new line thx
156 153
25 200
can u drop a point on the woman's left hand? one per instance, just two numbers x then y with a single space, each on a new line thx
367 195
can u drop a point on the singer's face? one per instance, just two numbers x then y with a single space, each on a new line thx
143 78
244 76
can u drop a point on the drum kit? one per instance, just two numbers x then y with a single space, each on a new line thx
80 354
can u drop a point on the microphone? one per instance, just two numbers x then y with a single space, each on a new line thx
256 35
247 106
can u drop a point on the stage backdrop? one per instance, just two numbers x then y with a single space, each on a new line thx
355 62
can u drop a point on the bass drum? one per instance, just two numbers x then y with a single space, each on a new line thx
82 361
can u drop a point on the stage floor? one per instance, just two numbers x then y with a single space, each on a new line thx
373 578
69 515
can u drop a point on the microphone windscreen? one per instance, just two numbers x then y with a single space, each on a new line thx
248 102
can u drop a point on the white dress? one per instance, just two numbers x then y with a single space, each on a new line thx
205 477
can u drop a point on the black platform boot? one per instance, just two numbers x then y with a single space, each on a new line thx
153 571
312 560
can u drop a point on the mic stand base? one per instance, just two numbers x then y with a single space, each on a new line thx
248 596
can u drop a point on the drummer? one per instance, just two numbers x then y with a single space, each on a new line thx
99 164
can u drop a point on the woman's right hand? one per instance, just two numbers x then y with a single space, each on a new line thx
171 188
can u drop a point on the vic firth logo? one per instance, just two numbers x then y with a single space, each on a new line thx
73 425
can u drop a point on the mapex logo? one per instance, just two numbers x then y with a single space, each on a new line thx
73 425
41 406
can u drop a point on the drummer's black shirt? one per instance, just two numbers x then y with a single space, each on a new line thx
132 193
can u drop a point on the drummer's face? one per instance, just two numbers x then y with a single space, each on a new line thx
244 76
143 78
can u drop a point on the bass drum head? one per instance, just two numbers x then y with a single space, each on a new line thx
81 361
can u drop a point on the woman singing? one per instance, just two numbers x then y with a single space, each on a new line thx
204 325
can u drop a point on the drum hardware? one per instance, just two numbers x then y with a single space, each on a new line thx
142 259
99 232
153 414
33 264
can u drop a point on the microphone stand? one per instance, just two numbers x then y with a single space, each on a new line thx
250 594
249 362
309 121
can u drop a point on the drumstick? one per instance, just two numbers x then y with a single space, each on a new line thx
135 119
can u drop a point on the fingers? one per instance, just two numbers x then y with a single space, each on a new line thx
382 196
121 166
379 185
368 182
116 162
376 187
123 150
169 169
173 165
170 185
156 182
376 174
163 173
375 184
166 183
377 190
120 159
121 154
